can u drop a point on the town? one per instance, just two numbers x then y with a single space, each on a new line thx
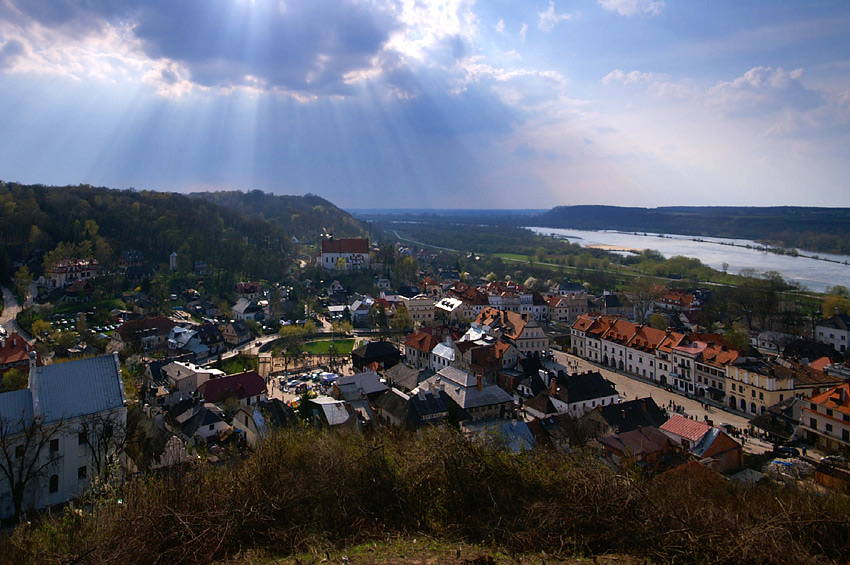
172 379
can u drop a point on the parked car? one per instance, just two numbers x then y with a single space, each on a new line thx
788 451
833 459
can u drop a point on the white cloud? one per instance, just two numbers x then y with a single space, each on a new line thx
633 7
549 19
631 77
500 26
764 90
523 31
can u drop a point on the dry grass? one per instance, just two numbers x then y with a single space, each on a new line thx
308 492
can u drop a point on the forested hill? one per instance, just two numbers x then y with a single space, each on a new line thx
818 229
303 216
83 220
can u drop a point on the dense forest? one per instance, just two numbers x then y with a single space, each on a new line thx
303 216
36 220
816 229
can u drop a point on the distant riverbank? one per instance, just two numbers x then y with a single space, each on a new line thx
816 272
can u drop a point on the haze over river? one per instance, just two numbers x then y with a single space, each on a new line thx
812 274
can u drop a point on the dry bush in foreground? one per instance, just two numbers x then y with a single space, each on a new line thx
305 488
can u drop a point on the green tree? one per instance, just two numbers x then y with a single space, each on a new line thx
23 278
14 379
835 304
658 321
737 339
305 409
41 328
402 321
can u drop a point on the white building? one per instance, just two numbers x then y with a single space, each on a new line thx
77 405
421 309
835 331
344 255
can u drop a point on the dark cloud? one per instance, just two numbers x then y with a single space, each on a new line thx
299 46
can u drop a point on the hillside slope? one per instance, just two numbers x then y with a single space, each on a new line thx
35 219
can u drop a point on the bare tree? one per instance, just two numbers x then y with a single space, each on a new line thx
105 435
29 450
643 292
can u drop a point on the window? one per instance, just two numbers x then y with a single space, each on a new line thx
813 423
82 473
829 427
733 387
753 393
781 397
54 483
845 435
82 437
54 445
212 427
829 412
761 396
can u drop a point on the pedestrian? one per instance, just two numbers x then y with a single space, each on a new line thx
804 452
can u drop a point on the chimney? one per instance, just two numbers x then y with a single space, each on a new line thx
480 387
623 413
643 404
34 387
553 386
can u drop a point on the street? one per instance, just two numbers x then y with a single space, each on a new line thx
10 312
632 388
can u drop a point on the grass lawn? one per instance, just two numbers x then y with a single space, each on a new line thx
322 347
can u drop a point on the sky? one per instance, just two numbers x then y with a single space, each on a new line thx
433 104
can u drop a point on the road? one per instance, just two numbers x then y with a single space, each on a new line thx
11 307
631 388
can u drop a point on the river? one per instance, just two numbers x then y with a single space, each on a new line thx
812 274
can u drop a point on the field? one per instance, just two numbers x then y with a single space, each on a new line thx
322 347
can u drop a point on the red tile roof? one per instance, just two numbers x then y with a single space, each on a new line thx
421 341
345 246
243 385
836 398
688 429
15 351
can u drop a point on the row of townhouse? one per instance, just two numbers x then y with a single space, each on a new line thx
699 364
563 304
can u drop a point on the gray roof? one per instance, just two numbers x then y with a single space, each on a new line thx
15 410
444 350
77 388
368 382
462 378
205 415
394 402
515 434
836 322
404 376
462 388
334 410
